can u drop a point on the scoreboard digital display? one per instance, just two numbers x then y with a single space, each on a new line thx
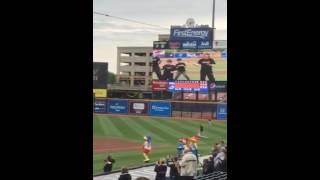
188 86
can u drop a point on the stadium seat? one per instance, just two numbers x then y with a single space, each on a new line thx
218 175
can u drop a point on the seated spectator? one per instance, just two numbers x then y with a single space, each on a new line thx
219 159
124 174
161 170
174 168
211 165
108 164
205 167
188 164
215 150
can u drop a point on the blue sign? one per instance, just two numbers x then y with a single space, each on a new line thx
118 106
100 106
160 109
180 55
222 112
224 54
191 34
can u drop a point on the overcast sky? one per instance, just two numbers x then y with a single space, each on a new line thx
109 33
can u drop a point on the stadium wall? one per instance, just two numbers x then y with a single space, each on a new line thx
162 108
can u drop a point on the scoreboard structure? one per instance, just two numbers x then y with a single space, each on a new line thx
188 86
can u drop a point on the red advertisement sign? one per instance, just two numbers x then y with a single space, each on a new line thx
187 84
159 85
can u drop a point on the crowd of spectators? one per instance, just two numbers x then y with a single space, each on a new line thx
185 166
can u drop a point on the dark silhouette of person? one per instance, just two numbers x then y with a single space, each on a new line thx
181 69
155 66
206 68
167 70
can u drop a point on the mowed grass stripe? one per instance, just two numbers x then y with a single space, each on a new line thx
193 128
185 129
135 125
128 132
109 128
149 124
97 129
166 126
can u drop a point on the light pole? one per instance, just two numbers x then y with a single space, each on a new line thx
213 10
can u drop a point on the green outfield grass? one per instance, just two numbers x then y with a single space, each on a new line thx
163 131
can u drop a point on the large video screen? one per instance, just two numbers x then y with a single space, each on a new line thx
176 64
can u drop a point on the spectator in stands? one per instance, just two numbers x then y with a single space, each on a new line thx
211 165
218 160
142 178
215 150
188 164
174 168
205 167
161 170
124 174
223 166
108 164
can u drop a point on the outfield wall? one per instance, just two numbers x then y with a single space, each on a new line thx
161 108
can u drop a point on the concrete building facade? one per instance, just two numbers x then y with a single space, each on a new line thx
134 67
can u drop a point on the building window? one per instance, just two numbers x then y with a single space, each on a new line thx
140 54
139 73
150 54
125 64
139 82
126 54
140 64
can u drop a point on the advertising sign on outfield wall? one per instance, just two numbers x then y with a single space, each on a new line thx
222 112
118 106
138 107
100 106
160 109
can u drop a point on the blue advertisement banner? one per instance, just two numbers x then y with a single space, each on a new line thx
191 34
222 112
192 44
118 106
100 106
160 109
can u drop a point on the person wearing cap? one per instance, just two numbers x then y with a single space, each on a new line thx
181 69
155 66
167 70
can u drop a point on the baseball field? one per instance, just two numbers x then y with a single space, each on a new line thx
122 138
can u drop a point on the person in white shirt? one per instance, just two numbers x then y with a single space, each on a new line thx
219 158
188 164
